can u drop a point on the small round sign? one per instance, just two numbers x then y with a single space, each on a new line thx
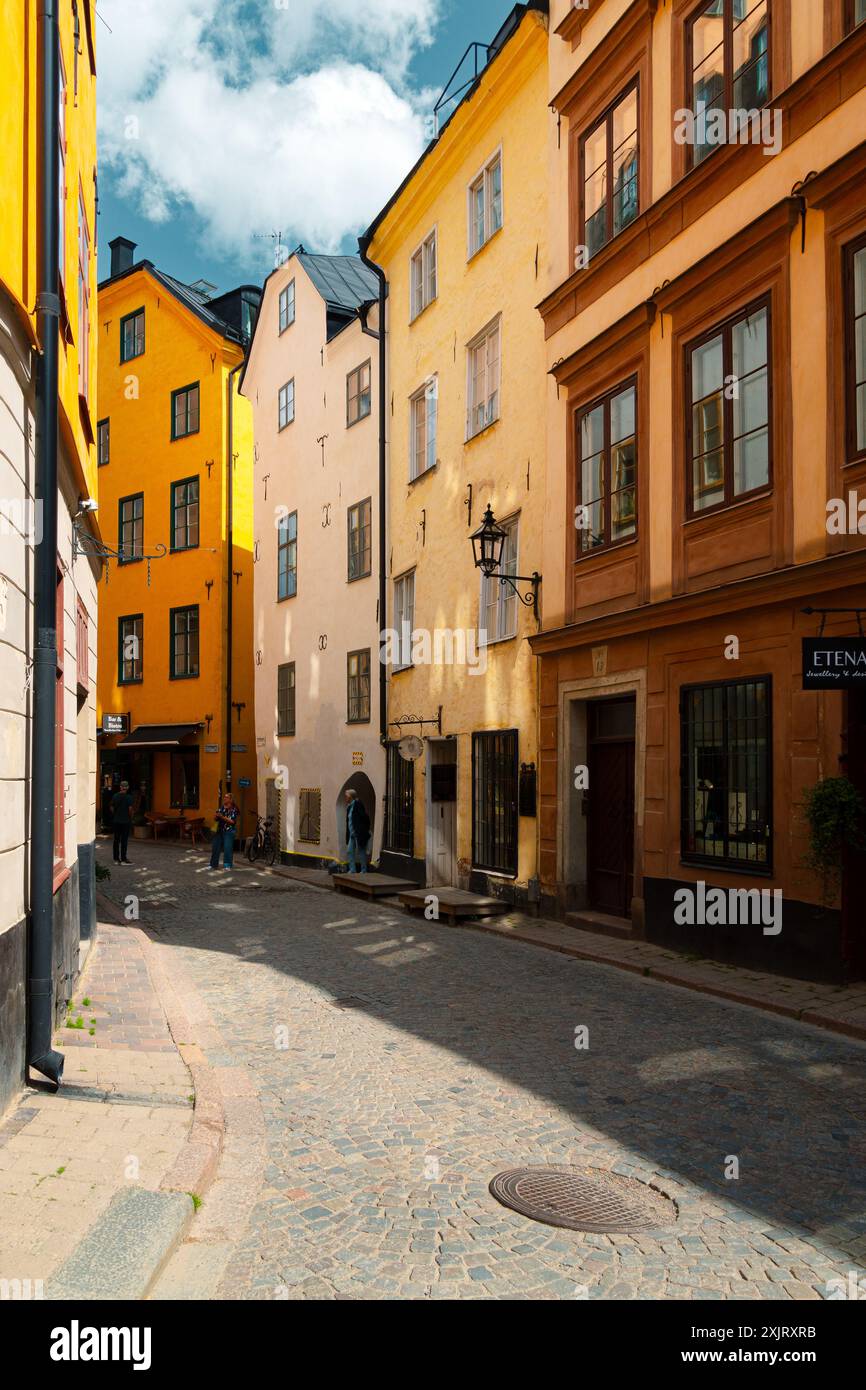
410 748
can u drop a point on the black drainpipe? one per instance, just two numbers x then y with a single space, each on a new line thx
364 246
230 466
41 1056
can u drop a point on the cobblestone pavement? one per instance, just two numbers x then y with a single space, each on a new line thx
358 1158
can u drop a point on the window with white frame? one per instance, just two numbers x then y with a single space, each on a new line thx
423 414
404 618
498 610
287 404
484 376
287 306
485 204
423 276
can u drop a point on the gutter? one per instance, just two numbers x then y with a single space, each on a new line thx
230 477
364 243
41 1056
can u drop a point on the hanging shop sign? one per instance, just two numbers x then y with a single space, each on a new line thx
834 663
115 723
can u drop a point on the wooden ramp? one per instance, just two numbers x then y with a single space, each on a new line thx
371 885
453 904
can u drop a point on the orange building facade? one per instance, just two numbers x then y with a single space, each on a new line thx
175 450
706 346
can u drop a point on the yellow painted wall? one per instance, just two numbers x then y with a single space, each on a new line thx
506 464
136 398
20 217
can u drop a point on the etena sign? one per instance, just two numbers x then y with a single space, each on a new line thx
115 723
834 663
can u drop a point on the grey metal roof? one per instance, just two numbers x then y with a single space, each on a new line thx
198 303
195 302
343 281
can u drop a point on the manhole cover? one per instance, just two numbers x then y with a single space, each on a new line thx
583 1199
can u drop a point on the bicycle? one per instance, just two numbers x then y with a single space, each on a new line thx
263 844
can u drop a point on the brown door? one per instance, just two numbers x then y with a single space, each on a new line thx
610 806
854 863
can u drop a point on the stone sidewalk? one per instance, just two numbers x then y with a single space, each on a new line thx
95 1181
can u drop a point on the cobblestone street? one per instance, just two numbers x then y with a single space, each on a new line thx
361 1140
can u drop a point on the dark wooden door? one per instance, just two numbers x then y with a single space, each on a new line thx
610 806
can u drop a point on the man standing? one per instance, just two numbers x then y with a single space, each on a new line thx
224 836
121 815
357 831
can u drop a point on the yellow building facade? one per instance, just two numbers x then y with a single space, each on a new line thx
175 454
463 246
28 208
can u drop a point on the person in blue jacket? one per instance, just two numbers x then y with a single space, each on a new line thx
357 831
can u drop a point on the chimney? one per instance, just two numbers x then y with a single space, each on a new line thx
122 252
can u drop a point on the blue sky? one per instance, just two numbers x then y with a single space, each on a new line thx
223 120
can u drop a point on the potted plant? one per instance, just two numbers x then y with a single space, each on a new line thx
833 811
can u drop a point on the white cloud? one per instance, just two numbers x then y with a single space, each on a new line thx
257 116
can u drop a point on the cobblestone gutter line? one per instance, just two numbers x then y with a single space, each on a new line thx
196 1166
805 1004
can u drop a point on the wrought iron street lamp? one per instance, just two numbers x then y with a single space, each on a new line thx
487 544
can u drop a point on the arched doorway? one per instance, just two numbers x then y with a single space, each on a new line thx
359 782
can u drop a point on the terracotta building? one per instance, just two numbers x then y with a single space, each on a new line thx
706 348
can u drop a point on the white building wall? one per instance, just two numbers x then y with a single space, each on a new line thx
329 617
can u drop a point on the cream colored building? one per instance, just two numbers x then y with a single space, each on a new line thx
463 243
310 376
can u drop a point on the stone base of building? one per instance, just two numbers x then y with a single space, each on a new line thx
13 1010
403 866
809 946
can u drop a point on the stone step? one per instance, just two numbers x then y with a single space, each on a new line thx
602 923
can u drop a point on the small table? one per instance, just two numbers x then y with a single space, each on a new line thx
192 827
157 822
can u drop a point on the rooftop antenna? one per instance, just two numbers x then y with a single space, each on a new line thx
281 252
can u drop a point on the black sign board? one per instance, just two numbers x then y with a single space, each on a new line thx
115 723
834 663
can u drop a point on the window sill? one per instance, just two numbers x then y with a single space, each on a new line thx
497 641
136 680
193 677
350 424
190 434
398 670
473 255
61 874
723 508
601 550
413 318
419 477
286 598
281 428
356 578
470 438
745 869
180 549
507 875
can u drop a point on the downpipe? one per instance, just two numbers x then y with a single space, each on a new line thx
364 247
41 1056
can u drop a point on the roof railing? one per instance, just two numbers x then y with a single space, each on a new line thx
452 94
